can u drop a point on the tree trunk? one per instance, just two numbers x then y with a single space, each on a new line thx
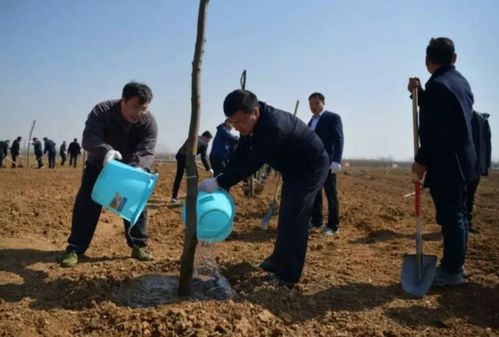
29 143
190 239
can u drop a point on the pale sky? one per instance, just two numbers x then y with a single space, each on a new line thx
59 58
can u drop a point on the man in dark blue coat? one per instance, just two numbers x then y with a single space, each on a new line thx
37 146
74 150
63 153
278 138
15 151
446 153
223 145
482 140
50 149
327 125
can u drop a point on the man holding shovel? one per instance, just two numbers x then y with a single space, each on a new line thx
121 129
276 137
446 153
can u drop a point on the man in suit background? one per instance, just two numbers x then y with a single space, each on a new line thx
327 125
446 153
482 140
203 142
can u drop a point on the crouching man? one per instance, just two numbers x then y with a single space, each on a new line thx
120 129
278 138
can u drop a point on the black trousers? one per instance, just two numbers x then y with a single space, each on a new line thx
39 159
450 203
72 159
294 214
333 220
51 160
470 200
1 160
178 177
218 165
14 159
63 158
86 215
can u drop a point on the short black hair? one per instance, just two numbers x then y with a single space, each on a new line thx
140 90
440 50
75 140
239 99
317 95
207 134
19 137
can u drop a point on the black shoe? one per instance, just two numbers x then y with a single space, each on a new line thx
269 265
279 282
314 225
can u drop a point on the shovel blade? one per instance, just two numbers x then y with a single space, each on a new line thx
413 282
266 218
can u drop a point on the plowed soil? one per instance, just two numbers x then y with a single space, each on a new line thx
350 286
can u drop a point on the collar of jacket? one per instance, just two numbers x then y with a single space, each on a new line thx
441 70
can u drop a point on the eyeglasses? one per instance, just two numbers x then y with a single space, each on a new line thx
141 110
242 121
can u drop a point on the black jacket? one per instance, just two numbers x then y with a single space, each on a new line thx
37 145
49 147
445 128
74 148
4 149
202 149
15 149
62 149
330 130
279 139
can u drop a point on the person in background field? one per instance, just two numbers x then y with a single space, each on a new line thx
223 145
74 150
328 126
15 151
50 149
276 137
62 153
482 140
203 142
446 156
121 129
4 151
37 146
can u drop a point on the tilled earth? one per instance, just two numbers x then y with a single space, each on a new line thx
350 286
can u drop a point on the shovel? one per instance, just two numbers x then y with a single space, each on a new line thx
417 270
273 205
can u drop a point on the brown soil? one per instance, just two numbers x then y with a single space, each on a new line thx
350 287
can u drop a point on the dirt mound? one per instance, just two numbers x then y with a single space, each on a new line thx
350 285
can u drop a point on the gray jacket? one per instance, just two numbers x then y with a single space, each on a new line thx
105 129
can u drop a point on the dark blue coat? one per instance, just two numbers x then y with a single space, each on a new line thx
224 143
281 140
445 128
37 145
15 149
50 147
330 130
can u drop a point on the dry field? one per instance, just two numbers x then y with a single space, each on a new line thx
350 285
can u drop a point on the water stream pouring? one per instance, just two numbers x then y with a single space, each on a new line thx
215 215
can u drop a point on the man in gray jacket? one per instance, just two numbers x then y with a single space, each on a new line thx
120 129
